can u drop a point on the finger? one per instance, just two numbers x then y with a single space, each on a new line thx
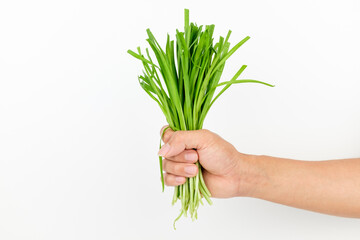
181 140
173 180
187 156
180 169
166 134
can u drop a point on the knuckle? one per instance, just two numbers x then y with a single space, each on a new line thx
167 135
166 180
179 157
164 164
169 180
178 169
175 135
206 132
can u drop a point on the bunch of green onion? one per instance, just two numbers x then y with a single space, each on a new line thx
183 83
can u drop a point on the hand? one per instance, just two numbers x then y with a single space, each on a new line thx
329 187
221 162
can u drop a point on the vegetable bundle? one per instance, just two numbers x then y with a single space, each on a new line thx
183 81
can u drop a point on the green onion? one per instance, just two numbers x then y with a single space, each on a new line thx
182 81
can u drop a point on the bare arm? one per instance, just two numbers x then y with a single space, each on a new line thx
330 187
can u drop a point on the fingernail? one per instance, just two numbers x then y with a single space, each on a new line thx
191 157
190 169
179 179
164 150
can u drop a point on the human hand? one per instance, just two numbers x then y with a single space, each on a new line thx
223 167
228 173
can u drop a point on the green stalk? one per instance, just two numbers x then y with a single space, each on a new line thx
183 82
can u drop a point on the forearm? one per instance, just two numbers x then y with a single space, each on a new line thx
331 187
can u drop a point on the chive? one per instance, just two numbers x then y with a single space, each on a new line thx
183 81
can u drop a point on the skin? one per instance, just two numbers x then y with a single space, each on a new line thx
330 187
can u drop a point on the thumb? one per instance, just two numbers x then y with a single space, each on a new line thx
181 140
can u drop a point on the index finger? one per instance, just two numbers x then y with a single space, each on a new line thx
166 133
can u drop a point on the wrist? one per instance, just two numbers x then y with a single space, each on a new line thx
251 175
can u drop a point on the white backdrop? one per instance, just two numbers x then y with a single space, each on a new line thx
79 137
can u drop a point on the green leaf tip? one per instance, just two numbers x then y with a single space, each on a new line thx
186 13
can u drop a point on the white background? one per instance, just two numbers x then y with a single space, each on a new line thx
79 137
